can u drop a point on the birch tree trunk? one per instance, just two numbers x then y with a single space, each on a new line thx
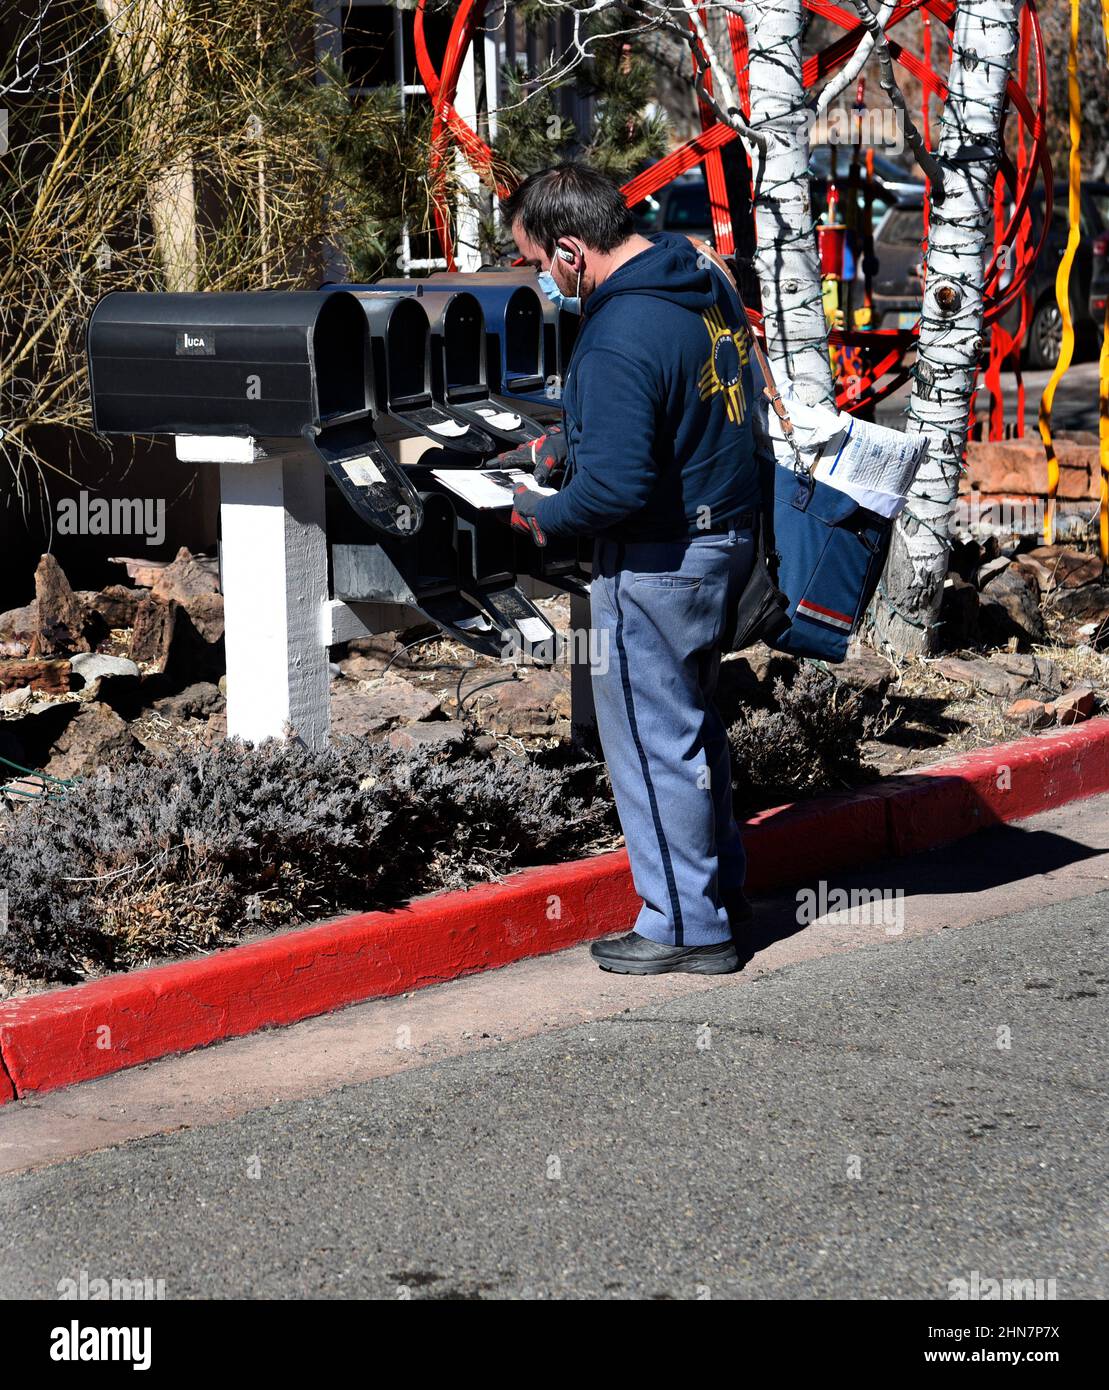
786 260
148 38
951 341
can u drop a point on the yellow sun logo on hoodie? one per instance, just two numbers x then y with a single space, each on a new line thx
723 372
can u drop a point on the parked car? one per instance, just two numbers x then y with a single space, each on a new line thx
892 182
898 240
682 206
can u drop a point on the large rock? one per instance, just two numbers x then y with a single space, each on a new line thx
537 703
152 635
50 676
197 701
1015 467
194 584
117 605
93 736
354 714
434 733
185 577
1068 568
93 668
18 699
1075 705
1009 607
1032 714
17 629
392 698
747 679
206 615
866 671
981 674
1042 573
1091 601
142 570
60 619
368 656
1039 670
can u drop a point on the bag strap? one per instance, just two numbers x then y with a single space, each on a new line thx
770 388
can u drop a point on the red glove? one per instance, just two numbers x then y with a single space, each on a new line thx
523 513
545 455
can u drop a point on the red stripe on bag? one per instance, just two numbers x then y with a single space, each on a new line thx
826 614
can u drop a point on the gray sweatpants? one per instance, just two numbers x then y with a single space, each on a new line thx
659 608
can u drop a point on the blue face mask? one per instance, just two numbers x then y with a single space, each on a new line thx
570 303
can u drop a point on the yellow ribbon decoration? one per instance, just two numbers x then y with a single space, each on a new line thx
1062 277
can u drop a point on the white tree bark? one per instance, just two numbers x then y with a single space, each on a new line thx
951 338
786 260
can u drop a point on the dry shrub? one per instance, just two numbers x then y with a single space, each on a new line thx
809 741
163 857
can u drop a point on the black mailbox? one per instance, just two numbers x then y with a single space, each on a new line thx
400 352
558 563
465 359
522 325
268 364
486 553
460 371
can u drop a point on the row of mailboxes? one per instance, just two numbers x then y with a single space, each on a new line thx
281 365
450 359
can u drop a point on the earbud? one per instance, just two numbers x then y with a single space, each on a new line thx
566 255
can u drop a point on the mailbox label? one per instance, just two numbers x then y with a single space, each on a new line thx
194 344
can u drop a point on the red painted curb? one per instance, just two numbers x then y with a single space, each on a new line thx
55 1039
7 1090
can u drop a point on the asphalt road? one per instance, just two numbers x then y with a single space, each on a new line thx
871 1125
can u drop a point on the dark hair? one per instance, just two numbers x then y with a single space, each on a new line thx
570 200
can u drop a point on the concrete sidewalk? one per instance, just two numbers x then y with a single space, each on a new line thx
858 1115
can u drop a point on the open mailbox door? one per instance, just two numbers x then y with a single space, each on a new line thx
425 574
260 365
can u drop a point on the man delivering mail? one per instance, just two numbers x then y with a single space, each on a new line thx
661 472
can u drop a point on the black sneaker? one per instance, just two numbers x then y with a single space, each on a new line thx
638 955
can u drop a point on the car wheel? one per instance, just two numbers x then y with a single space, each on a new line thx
1045 335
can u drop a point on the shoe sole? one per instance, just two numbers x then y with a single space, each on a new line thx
724 964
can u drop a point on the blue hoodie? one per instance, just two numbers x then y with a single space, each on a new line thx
658 404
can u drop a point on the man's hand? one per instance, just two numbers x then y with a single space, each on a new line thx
546 455
523 513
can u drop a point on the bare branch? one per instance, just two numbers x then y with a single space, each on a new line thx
924 157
